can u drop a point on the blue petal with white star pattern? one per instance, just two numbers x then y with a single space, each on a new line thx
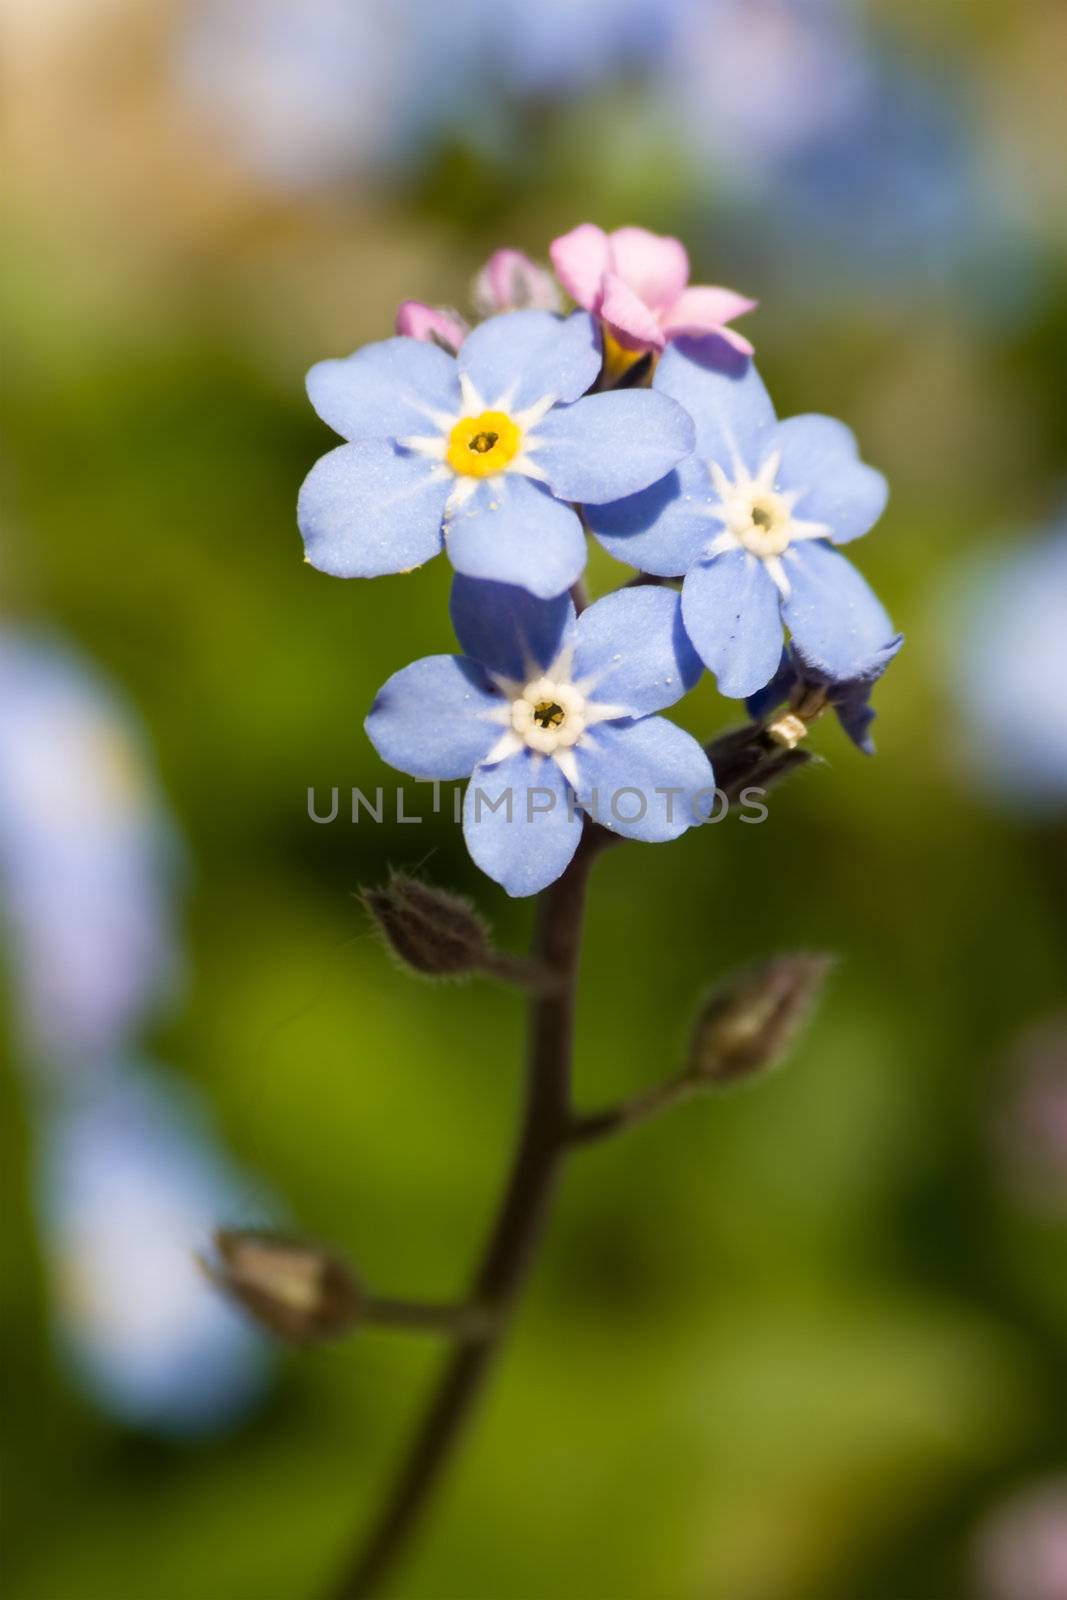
749 520
482 454
549 714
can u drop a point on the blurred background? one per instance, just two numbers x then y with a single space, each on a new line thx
805 1342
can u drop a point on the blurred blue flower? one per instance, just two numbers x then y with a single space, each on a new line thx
751 518
754 81
479 454
811 690
130 1187
1009 667
549 713
303 92
87 861
298 92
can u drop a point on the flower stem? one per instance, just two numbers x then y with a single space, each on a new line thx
509 1252
601 1124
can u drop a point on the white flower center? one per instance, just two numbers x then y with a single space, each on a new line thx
549 715
759 519
757 515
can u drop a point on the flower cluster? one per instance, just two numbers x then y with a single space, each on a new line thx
639 418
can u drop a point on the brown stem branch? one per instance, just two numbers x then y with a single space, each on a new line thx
614 1119
516 1231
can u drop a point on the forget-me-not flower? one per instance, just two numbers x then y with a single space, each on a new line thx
130 1187
751 519
480 453
810 690
1007 634
549 714
87 857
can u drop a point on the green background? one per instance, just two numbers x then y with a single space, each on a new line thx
788 1344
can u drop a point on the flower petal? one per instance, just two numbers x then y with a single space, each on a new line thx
654 266
528 841
664 529
418 321
724 395
434 718
610 445
703 309
512 531
836 619
386 390
820 456
521 356
630 320
508 629
632 765
581 259
731 612
367 509
633 650
510 281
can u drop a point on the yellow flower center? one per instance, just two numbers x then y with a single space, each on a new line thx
548 714
480 446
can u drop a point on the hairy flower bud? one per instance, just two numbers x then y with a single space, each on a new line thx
299 1291
440 935
749 1023
432 930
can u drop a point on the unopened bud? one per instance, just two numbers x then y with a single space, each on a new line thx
299 1291
439 934
749 1023
510 281
749 758
432 930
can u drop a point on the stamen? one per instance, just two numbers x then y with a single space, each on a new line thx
548 714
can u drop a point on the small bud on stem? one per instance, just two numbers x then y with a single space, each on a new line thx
749 1023
440 935
300 1292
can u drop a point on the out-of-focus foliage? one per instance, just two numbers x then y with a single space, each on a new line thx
798 1342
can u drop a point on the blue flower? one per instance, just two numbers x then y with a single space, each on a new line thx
478 452
549 715
87 858
810 692
130 1186
751 519
1007 658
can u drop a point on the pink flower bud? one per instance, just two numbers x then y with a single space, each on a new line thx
510 281
431 324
